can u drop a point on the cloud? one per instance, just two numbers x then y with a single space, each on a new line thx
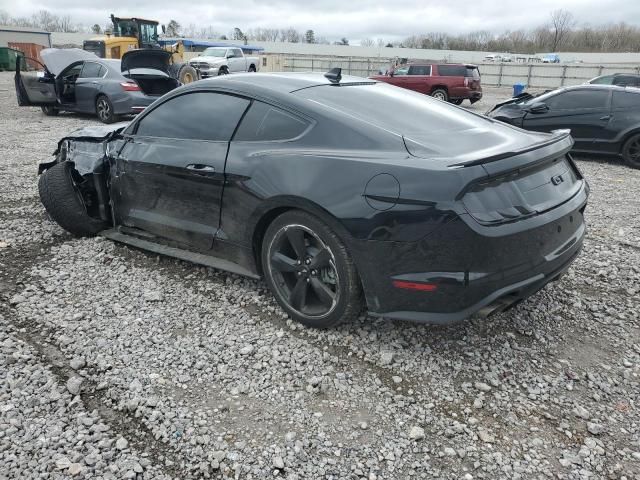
353 19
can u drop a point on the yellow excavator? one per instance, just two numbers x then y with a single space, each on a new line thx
137 33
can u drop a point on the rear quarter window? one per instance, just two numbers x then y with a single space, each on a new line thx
264 122
452 70
624 100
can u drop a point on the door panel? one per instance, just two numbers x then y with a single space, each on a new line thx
171 188
34 88
86 91
585 124
585 112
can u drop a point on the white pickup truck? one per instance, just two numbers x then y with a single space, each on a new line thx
223 60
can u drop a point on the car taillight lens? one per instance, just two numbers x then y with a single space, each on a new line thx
130 86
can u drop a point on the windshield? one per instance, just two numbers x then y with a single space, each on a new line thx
125 28
214 52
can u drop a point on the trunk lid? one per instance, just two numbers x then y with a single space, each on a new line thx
146 58
524 184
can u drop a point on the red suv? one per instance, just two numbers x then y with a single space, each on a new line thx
449 82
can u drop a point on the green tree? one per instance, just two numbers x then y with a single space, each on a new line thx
96 29
173 28
310 36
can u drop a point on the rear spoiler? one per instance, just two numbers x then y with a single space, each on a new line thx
558 136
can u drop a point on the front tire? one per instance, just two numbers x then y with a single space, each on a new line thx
631 151
457 101
63 201
50 110
440 94
252 69
187 74
223 71
310 271
104 109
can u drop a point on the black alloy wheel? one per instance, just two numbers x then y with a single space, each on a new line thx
309 271
631 151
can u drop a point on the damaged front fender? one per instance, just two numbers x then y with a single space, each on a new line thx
85 150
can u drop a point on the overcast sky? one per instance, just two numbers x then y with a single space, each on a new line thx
354 19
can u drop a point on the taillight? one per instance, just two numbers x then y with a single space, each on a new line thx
130 86
424 287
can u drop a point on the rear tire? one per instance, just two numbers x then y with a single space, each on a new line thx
62 200
440 94
104 109
631 151
310 271
50 110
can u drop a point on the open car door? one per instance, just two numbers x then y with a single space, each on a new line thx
34 88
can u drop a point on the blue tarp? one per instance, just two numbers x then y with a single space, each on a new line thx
189 43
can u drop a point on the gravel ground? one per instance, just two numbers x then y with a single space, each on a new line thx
121 364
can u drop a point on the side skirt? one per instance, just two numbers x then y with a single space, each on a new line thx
199 258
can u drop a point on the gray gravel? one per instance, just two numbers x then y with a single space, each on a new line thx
121 364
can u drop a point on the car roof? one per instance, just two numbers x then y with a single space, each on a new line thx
591 86
275 82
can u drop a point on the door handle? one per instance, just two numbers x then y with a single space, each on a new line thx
200 168
606 117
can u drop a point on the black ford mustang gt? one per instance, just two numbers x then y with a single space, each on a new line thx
333 189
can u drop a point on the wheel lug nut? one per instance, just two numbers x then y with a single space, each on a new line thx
308 279
307 261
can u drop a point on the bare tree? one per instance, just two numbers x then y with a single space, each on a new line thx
366 42
173 28
290 35
5 18
561 24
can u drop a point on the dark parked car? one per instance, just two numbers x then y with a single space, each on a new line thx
602 118
331 189
620 79
448 82
74 80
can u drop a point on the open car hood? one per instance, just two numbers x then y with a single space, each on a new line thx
57 59
146 58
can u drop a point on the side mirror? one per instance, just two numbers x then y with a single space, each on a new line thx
164 29
538 107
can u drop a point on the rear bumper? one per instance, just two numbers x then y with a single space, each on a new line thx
472 267
131 102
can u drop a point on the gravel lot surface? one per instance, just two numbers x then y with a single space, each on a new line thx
115 363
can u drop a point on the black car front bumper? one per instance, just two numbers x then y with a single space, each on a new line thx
464 268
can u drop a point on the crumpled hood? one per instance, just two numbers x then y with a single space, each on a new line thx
57 59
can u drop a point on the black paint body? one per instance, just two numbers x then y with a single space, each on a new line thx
599 127
464 202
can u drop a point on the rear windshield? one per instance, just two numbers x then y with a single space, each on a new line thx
472 72
394 109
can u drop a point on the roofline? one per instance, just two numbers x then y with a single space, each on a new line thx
43 32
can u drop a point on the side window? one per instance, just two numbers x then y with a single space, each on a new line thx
626 100
576 99
606 80
401 71
264 123
237 53
452 70
91 70
420 70
194 116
